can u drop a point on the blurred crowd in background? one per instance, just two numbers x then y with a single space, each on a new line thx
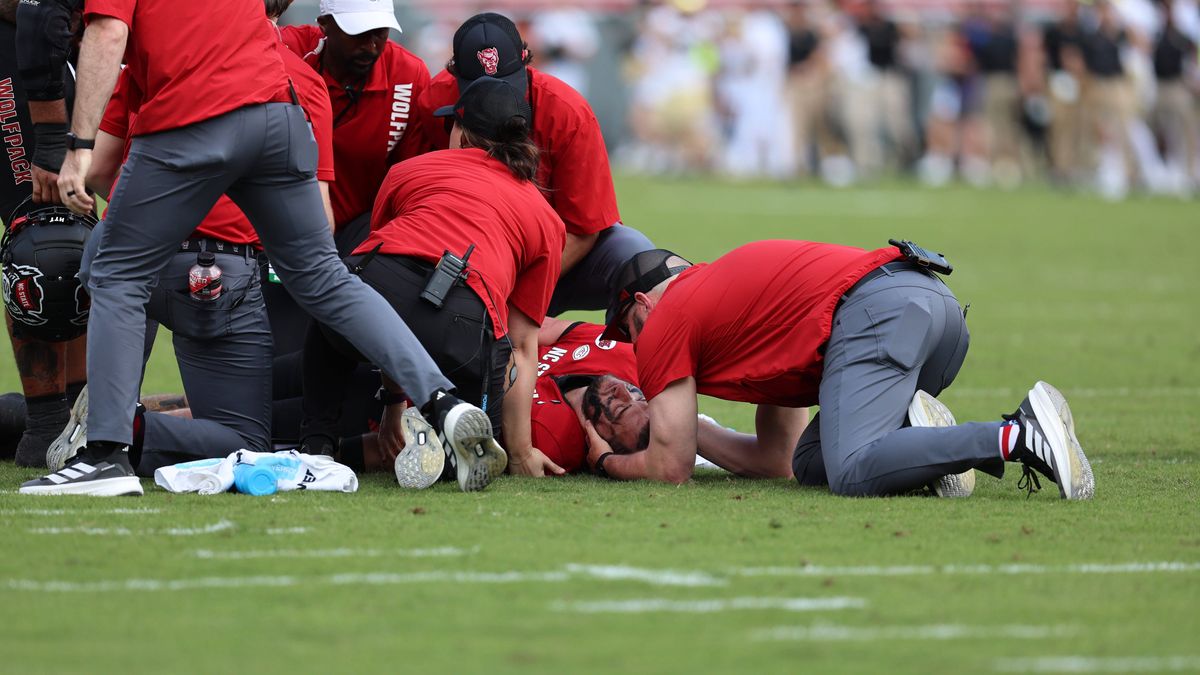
1099 95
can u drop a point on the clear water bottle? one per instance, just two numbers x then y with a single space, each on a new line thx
204 279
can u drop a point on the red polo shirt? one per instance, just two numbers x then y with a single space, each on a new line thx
451 199
579 351
750 325
574 162
226 221
370 128
196 60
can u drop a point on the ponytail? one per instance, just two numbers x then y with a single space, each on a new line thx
513 147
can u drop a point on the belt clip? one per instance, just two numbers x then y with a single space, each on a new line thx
366 260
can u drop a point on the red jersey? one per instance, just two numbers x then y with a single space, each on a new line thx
451 199
193 61
579 351
574 162
226 221
370 126
750 325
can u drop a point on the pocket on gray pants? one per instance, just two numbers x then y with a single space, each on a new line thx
302 146
901 340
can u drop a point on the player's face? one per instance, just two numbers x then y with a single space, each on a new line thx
354 54
624 420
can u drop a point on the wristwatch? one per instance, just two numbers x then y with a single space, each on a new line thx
76 143
389 398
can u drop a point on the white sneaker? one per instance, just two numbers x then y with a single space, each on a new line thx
467 430
1047 443
422 460
927 411
73 437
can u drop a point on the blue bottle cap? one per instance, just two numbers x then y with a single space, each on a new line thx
254 480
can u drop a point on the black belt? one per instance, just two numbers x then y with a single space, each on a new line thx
198 244
889 268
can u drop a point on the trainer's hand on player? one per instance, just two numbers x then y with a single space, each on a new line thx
533 463
71 188
45 186
597 446
391 441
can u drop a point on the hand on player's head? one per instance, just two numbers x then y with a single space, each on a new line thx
619 413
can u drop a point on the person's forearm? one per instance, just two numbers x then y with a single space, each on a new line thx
517 408
739 453
576 248
106 163
325 201
99 65
48 112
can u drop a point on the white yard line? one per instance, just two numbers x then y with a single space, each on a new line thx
289 530
446 552
660 605
350 579
958 570
842 633
63 512
219 526
1107 664
651 576
1080 392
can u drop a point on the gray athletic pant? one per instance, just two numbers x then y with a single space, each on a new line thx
588 284
894 334
264 157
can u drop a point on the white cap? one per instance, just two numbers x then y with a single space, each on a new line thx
359 16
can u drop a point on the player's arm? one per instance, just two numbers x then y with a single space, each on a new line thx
517 407
552 330
766 454
99 64
671 455
577 247
42 44
106 163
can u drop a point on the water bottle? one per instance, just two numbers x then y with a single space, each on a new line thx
254 480
204 279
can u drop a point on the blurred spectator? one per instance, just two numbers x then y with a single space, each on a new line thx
807 86
992 39
1067 74
890 92
750 91
564 40
1108 101
1175 112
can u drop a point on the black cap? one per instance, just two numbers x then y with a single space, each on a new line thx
485 106
639 274
489 45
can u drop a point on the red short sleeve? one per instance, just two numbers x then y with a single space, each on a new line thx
667 350
535 285
117 9
580 183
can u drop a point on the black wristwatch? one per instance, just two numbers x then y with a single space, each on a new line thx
598 468
390 398
76 143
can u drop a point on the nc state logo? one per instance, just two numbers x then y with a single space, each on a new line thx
23 294
489 58
605 344
581 352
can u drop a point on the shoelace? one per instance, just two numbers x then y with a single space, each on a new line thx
1029 481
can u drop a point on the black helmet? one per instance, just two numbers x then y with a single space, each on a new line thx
41 251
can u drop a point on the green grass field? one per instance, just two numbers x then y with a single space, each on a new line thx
720 574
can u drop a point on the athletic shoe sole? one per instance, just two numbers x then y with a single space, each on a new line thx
927 411
479 459
73 437
103 487
422 460
1054 416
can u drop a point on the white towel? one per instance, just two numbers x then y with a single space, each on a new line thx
293 471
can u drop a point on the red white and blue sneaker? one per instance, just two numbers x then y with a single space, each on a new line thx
927 411
423 459
466 431
107 476
1041 435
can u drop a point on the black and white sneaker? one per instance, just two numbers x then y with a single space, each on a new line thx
111 476
73 437
927 411
467 431
1046 443
422 460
